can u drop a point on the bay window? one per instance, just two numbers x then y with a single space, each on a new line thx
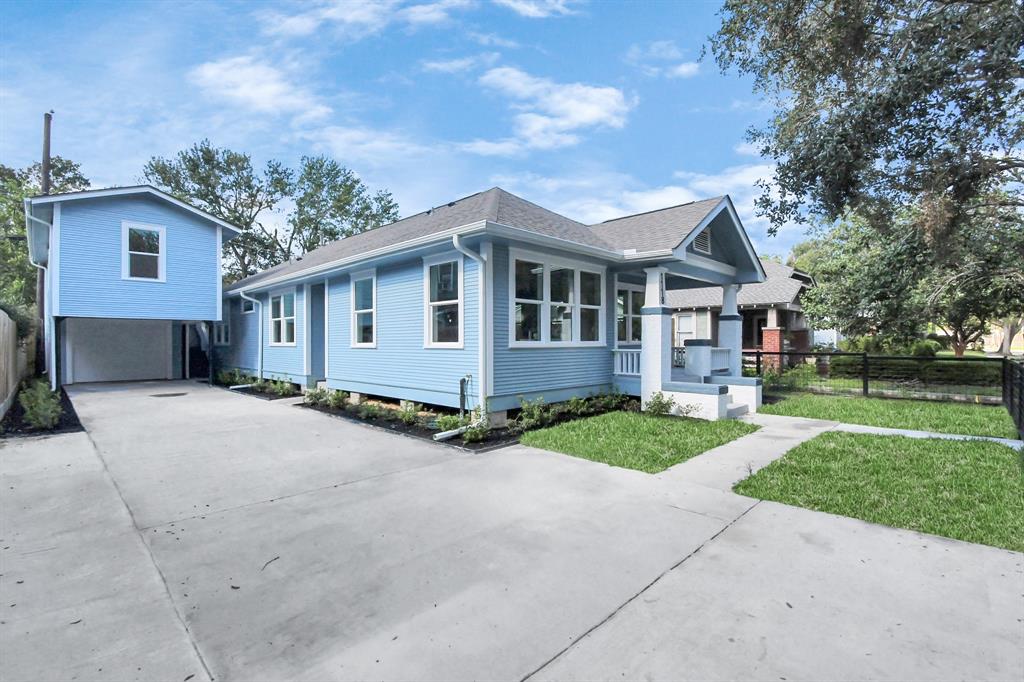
554 302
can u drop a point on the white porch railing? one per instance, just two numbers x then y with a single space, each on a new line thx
719 359
627 362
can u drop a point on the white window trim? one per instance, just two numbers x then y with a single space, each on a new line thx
270 318
222 333
428 261
626 286
548 261
161 257
248 312
353 278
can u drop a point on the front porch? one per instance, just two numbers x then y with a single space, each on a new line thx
704 377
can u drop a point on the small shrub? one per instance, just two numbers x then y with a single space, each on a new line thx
925 348
533 414
336 400
369 411
316 396
578 407
660 404
41 405
450 422
260 385
283 389
475 434
409 414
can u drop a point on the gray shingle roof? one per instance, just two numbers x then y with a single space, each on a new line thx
654 230
665 228
779 287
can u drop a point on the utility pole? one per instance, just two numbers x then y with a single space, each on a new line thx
40 280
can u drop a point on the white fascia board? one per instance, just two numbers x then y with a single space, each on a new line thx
125 191
724 205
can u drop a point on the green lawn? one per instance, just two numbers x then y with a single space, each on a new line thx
635 440
920 415
967 490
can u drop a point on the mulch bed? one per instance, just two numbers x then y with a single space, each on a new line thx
259 394
496 438
14 425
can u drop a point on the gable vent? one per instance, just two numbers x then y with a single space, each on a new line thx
702 242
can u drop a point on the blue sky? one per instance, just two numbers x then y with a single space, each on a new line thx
592 109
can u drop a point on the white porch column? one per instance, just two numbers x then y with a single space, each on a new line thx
656 342
730 328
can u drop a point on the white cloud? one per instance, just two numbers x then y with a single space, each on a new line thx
462 64
492 40
358 19
539 9
551 114
257 86
656 59
747 149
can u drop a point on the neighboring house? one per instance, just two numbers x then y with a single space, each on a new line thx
491 299
132 283
487 300
772 317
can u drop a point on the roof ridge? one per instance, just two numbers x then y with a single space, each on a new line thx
659 210
504 192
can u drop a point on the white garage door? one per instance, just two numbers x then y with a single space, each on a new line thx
118 350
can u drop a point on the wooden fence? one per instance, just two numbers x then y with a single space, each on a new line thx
13 362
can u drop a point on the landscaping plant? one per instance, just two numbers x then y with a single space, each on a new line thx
408 414
41 405
475 434
659 404
316 396
450 422
337 400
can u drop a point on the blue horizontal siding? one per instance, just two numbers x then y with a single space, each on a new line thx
279 362
548 372
242 353
400 366
89 258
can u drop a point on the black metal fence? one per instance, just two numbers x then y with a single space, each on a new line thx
1013 392
969 379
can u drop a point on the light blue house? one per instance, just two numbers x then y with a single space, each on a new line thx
132 283
491 299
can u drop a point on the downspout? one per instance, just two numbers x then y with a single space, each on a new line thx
259 328
42 269
481 261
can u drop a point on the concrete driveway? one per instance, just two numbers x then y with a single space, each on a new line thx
215 535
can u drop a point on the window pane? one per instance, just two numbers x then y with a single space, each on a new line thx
620 328
445 324
529 280
364 294
637 299
289 305
620 302
275 333
444 281
248 306
144 266
562 285
275 307
590 288
527 322
590 323
289 331
143 241
638 326
364 327
561 323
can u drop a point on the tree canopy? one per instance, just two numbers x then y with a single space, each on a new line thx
884 104
324 202
17 275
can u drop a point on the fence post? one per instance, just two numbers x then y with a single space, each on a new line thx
758 363
864 371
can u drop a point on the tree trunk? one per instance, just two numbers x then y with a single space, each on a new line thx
958 348
1011 327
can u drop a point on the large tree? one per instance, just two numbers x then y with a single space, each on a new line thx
327 202
883 104
17 276
894 283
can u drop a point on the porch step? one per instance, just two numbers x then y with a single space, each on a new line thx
733 410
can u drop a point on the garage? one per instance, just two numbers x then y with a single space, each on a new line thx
117 350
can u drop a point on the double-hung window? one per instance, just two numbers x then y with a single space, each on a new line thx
142 252
629 303
555 302
364 309
282 319
221 334
443 288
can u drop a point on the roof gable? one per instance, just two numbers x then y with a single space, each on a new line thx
659 230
